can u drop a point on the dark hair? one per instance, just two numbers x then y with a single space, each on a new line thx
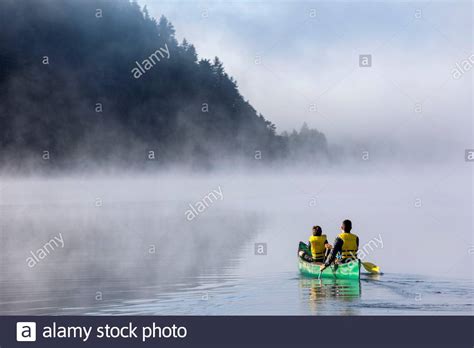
318 229
347 225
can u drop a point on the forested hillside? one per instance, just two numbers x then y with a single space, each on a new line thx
94 82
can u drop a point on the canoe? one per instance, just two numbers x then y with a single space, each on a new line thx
350 270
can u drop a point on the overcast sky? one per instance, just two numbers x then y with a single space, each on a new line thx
309 55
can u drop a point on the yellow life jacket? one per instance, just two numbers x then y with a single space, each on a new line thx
349 247
318 248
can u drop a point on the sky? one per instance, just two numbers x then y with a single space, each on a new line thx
299 62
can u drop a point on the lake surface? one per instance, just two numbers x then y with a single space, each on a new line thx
129 247
274 293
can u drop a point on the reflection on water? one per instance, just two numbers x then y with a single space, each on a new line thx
316 291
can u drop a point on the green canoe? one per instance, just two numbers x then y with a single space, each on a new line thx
350 270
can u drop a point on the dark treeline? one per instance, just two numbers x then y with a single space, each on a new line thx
68 93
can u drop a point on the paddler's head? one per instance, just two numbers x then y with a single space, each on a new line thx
346 226
317 230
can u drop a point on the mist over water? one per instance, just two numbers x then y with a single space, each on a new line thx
128 239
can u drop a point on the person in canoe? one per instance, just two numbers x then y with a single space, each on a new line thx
346 243
318 244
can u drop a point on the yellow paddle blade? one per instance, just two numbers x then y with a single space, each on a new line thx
371 268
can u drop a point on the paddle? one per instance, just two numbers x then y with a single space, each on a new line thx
371 268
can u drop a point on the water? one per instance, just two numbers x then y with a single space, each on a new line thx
274 293
290 294
129 249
